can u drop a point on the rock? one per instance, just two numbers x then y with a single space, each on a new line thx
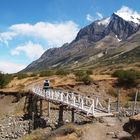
122 134
110 133
110 124
133 126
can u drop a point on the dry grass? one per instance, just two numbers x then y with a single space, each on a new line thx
69 132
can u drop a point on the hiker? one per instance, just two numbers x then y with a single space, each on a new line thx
46 85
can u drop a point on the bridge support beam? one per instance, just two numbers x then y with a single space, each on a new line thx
60 119
41 106
33 111
49 108
72 115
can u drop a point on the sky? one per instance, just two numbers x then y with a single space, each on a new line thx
29 27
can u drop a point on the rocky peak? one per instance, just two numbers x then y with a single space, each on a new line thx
114 24
121 28
129 15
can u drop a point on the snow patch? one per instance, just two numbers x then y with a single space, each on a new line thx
129 14
119 40
100 55
104 21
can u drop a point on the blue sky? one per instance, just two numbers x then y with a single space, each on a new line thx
29 27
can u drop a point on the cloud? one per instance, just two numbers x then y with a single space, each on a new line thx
89 18
31 50
55 34
7 36
10 67
129 14
100 16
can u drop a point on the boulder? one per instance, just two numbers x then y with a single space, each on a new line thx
133 126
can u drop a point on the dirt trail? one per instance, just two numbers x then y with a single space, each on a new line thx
110 129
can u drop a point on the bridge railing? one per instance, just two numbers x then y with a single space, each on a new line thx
85 104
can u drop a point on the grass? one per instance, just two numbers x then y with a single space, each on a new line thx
40 134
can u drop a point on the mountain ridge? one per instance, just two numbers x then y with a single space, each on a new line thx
91 43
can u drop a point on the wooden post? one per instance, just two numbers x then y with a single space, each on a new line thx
74 100
135 102
109 105
82 103
73 117
41 112
93 107
60 119
118 101
67 98
96 102
49 108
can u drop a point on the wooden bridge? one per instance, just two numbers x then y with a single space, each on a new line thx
93 107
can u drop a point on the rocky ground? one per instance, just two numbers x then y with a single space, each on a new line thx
14 126
106 128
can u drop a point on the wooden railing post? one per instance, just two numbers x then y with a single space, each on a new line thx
118 101
135 102
109 105
82 103
74 100
96 102
67 99
93 107
61 96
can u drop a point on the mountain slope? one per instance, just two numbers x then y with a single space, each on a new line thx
101 40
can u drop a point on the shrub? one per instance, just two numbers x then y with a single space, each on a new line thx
62 72
83 76
112 92
46 73
127 105
22 76
33 74
89 72
132 96
2 81
79 73
86 79
126 77
5 79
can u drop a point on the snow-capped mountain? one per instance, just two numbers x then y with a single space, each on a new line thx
112 25
129 15
103 38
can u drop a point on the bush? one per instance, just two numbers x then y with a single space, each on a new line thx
2 81
62 72
83 76
46 73
89 72
127 77
79 73
33 74
86 79
112 92
132 96
22 76
5 79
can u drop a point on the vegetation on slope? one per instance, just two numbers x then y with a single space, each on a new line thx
5 79
127 77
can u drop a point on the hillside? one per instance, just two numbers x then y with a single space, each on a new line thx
103 42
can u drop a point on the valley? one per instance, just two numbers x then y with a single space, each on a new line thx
92 89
